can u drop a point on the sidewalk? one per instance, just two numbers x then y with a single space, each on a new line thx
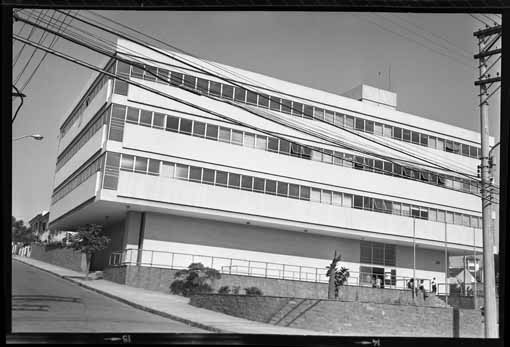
167 305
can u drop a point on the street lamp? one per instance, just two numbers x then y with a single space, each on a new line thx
34 136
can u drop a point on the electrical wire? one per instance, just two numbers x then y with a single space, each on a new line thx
478 19
16 58
21 103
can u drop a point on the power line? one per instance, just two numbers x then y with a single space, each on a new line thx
478 19
21 103
16 58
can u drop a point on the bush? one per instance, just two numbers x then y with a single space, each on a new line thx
236 289
196 279
253 291
224 290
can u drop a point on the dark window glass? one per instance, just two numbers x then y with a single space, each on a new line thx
306 153
390 257
295 150
397 170
359 163
154 167
123 69
456 148
215 88
127 162
369 164
113 160
397 133
472 152
246 182
141 164
132 115
294 191
406 135
273 144
163 75
378 205
264 100
110 182
308 111
137 72
465 150
227 92
120 87
327 156
424 214
189 81
270 187
424 140
258 184
175 78
388 168
146 118
224 134
240 94
304 193
199 129
366 255
360 124
283 189
150 73
251 97
172 123
286 106
119 112
274 103
234 180
415 211
203 85
221 178
449 146
377 253
212 132
369 126
159 120
378 165
186 126
297 109
330 117
358 201
195 174
237 137
284 146
440 180
208 176
368 203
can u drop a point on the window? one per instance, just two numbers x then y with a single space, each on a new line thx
358 201
295 150
154 167
258 184
424 213
406 210
449 217
449 146
318 113
472 152
199 129
208 176
316 195
388 168
249 140
271 187
123 69
286 106
297 109
424 140
474 222
330 116
159 120
456 147
181 171
127 162
251 97
212 132
337 199
387 131
221 178
441 216
227 92
378 129
369 164
432 214
272 144
308 111
360 124
284 147
316 155
247 183
203 85
337 158
294 191
326 197
415 137
186 126
240 94
339 119
175 78
163 75
167 169
347 200
283 189
264 100
465 150
137 72
465 220
457 184
432 142
415 212
440 144
349 122
146 118
237 137
190 81
224 134
119 112
378 165
406 135
214 88
261 142
113 160
396 208
132 115
369 126
306 153
327 156
397 133
359 163
172 124
368 203
274 103
195 174
304 193
141 165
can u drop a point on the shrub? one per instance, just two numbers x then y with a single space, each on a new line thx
224 290
236 289
196 279
253 291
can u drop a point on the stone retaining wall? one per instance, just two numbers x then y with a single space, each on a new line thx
64 257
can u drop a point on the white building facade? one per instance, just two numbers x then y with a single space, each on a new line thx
223 180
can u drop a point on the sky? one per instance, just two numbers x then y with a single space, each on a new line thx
331 51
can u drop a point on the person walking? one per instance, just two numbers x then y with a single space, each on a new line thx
378 282
422 289
434 285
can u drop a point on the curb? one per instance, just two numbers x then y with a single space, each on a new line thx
130 303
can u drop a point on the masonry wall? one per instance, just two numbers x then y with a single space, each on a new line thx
64 257
353 318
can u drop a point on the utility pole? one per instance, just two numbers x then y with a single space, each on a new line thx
486 39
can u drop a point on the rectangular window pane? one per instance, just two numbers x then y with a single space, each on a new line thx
286 106
203 85
326 197
208 176
396 208
214 88
195 174
283 189
240 94
308 111
120 87
349 122
186 126
315 195
456 148
251 97
358 201
304 193
158 120
137 72
347 200
163 75
212 132
387 131
181 171
297 109
237 137
246 182
440 144
221 178
449 217
397 133
441 216
234 180
415 137
119 112
264 100
284 147
338 158
432 214
227 92
224 134
369 126
270 187
432 142
123 69
146 118
167 169
258 184
316 155
306 153
415 211
141 165
273 144
294 191
274 103
318 113
199 129
154 167
472 152
360 124
190 81
465 150
150 73
327 156
175 78
172 123
424 140
378 129
406 135
337 199
132 115
339 119
330 117
261 142
249 140
406 210
127 162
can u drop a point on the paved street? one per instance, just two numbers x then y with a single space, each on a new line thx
45 303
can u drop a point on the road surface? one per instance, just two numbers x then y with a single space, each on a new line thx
45 303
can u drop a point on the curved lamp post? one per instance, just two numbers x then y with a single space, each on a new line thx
34 136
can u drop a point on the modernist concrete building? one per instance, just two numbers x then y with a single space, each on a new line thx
255 175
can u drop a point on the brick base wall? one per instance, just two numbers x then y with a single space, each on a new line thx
353 318
64 257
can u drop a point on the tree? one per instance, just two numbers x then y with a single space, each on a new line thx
21 233
89 240
336 278
194 280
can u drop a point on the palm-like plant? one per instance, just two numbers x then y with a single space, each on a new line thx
336 278
89 240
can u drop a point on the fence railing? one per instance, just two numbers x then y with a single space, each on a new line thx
233 266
